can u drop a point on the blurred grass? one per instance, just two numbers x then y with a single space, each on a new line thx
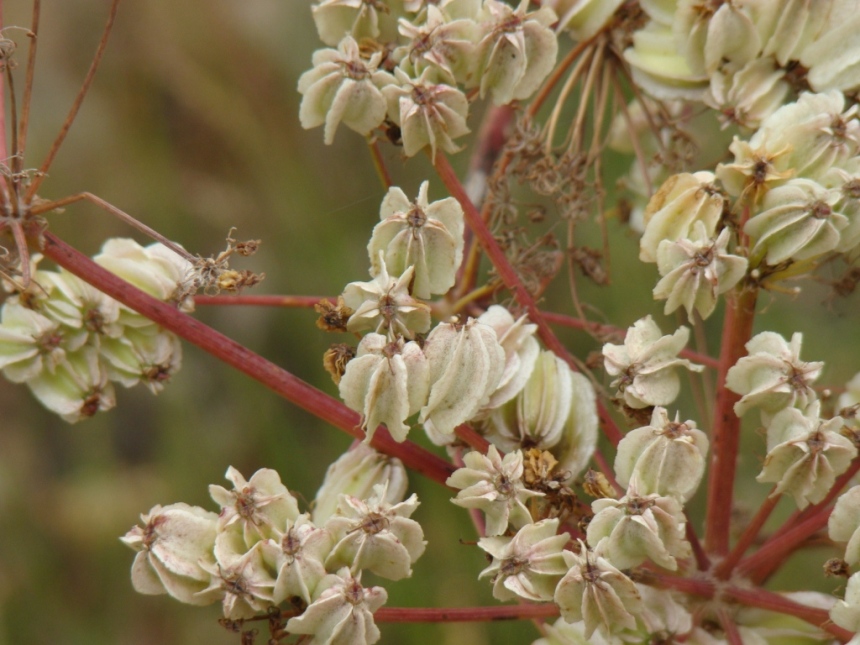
192 127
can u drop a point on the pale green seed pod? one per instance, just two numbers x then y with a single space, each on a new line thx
148 355
342 611
336 18
386 382
375 535
444 45
772 376
732 40
579 437
536 417
846 613
494 485
696 271
805 454
466 364
343 88
385 306
595 591
32 344
77 388
637 528
256 507
537 551
659 66
355 473
664 458
517 338
517 52
674 209
832 56
299 553
429 113
154 269
170 546
844 524
78 305
421 234
797 221
240 577
646 364
583 18
818 129
747 96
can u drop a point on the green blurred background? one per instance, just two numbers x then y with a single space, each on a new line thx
192 127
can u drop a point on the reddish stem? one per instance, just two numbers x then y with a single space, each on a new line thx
730 628
464 614
511 280
226 349
491 141
262 300
724 569
776 549
771 601
725 439
798 519
471 438
703 563
750 597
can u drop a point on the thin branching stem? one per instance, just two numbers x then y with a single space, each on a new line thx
262 300
798 528
557 74
725 567
464 614
566 89
76 105
749 597
491 141
379 164
730 628
226 349
120 214
26 101
13 116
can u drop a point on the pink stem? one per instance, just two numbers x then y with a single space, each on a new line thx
226 349
724 569
764 569
779 547
751 597
725 440
262 300
464 614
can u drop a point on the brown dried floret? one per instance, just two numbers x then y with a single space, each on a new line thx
333 317
335 359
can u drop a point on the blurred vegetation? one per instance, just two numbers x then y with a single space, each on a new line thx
192 127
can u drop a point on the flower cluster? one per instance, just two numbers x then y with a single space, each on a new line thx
260 552
743 59
69 342
409 65
488 370
661 465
